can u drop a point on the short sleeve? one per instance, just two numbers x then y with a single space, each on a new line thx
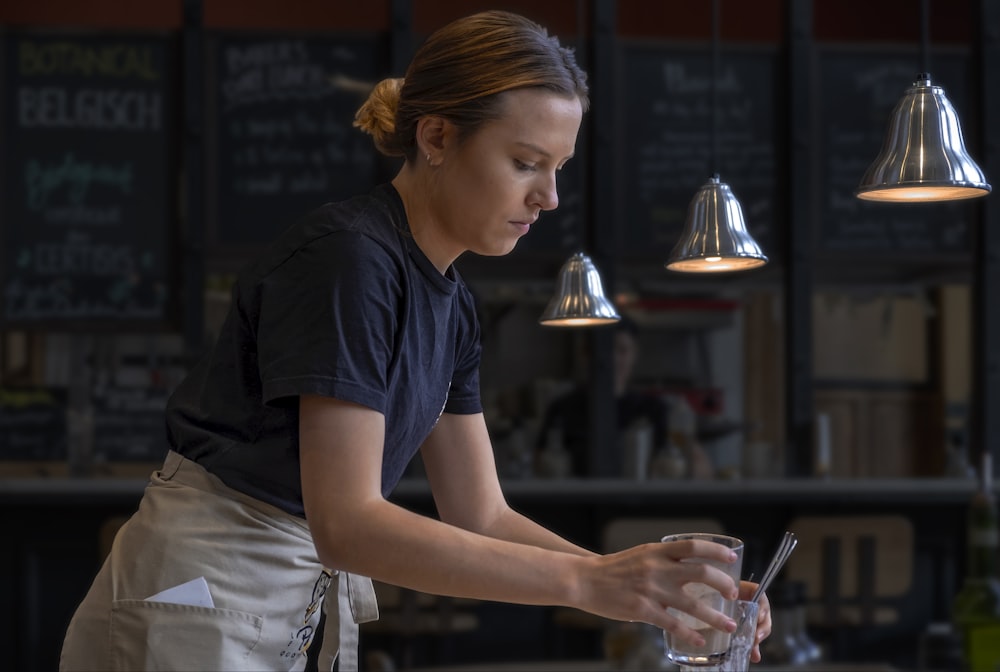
464 395
328 319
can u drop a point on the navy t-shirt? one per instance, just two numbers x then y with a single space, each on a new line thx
344 304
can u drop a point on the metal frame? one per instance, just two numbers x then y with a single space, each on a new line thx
984 422
798 258
600 236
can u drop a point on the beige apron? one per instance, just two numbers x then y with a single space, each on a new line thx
260 566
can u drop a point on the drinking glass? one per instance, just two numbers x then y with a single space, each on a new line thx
716 641
737 659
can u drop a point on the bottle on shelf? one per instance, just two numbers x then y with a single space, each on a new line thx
976 608
811 650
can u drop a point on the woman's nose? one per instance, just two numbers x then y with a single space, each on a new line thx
547 196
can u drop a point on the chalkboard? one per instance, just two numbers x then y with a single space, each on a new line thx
129 424
88 185
33 424
857 90
667 116
282 140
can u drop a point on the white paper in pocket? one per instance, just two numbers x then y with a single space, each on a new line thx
194 593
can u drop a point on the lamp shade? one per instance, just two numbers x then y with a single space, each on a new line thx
579 300
923 157
715 236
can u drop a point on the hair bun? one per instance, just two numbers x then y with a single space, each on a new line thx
377 116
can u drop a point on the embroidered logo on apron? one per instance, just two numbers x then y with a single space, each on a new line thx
299 640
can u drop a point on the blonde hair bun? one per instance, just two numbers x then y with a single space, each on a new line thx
377 116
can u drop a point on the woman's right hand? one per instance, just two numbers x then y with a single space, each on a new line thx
638 584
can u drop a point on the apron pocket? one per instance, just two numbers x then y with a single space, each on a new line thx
164 636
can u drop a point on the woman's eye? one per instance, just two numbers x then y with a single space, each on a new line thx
521 165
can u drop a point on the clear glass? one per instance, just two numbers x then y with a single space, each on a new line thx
716 641
737 659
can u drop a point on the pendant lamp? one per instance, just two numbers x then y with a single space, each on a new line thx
579 300
715 237
923 156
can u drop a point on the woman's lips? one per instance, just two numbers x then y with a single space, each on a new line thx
523 227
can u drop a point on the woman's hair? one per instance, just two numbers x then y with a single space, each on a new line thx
458 74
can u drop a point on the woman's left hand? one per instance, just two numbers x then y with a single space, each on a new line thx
747 589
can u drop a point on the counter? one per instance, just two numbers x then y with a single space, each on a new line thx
911 490
604 666
873 490
53 543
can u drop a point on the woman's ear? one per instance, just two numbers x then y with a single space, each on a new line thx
431 138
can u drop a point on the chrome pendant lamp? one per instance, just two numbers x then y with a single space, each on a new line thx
715 237
923 156
579 300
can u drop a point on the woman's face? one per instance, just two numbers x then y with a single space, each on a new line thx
491 187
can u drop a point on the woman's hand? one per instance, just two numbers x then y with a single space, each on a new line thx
763 618
638 584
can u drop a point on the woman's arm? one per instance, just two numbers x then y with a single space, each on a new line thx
458 458
356 530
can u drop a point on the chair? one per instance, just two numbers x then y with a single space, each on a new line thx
855 568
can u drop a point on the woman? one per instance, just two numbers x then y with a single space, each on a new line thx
349 346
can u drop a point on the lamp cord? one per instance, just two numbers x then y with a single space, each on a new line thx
925 40
715 87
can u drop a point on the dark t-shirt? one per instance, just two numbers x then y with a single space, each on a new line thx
344 304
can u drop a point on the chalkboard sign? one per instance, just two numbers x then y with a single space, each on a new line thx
857 91
667 116
33 424
282 140
88 184
129 424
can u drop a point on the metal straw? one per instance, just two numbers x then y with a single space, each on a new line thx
785 549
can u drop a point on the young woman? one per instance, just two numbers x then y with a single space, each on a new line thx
349 346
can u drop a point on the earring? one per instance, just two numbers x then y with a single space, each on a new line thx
428 157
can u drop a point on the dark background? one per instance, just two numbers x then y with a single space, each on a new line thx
256 98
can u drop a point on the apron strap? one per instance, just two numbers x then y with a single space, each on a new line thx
356 604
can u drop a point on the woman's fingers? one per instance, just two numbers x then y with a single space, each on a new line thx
698 618
763 627
699 548
690 619
643 582
685 592
699 572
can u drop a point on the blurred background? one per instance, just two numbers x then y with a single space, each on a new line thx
844 389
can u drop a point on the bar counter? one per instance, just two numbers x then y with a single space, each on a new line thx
56 531
829 490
